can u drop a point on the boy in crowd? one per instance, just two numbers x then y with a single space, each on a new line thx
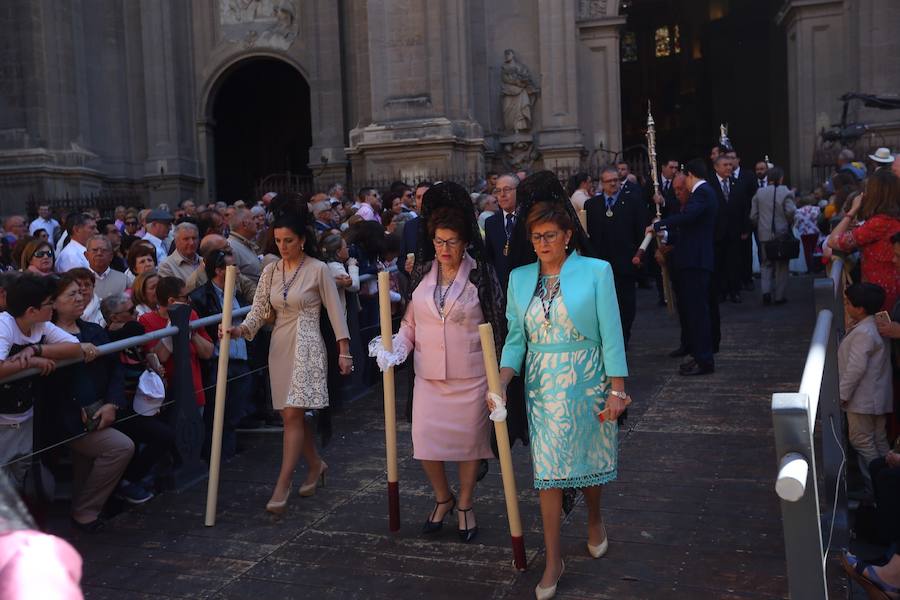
27 340
865 377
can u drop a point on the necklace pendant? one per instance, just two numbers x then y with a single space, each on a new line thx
506 249
546 324
609 212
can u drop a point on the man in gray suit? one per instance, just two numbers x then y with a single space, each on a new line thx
243 233
99 255
772 212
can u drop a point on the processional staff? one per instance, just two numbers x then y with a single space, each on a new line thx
651 152
390 408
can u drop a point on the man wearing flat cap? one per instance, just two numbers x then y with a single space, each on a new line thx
159 222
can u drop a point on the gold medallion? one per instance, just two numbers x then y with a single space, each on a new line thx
609 212
506 249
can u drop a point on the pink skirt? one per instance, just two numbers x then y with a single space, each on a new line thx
450 420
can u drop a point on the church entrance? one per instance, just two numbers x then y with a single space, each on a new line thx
262 126
702 63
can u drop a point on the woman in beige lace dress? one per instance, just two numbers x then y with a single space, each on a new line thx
291 292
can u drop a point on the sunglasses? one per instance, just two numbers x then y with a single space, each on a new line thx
43 254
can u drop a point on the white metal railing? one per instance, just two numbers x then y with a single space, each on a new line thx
794 417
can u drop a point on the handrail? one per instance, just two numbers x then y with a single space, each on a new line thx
814 369
130 342
837 276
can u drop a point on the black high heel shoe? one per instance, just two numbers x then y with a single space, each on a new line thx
432 526
466 535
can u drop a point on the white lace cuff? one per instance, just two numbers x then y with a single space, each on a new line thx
499 412
387 359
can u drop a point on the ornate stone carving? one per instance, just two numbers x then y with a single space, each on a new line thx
260 23
518 93
518 151
591 9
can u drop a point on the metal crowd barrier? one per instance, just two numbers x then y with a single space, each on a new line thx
180 394
794 419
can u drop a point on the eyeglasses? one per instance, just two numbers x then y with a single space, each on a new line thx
439 243
43 254
616 180
129 223
506 190
549 237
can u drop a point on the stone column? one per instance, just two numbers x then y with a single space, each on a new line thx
421 99
559 137
599 89
326 155
170 166
817 76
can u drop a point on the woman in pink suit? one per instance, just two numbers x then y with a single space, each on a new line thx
454 291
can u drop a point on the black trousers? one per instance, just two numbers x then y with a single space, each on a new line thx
715 322
887 497
695 292
153 438
238 404
730 265
627 297
680 301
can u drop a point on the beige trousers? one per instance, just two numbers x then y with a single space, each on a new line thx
98 461
868 437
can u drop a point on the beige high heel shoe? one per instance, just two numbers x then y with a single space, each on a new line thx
277 507
542 593
309 489
600 549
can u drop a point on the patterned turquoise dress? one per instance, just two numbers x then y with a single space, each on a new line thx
565 388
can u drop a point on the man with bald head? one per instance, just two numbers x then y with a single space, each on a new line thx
242 238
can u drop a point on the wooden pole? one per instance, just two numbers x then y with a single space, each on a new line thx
390 408
215 456
506 466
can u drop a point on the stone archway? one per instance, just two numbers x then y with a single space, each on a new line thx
258 123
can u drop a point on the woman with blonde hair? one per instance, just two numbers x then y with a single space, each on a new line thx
143 292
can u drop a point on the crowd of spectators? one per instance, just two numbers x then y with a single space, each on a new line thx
70 283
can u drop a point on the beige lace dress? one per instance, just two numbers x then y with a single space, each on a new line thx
297 361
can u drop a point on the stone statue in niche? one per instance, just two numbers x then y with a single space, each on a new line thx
517 92
259 23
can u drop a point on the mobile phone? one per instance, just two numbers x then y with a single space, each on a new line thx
883 317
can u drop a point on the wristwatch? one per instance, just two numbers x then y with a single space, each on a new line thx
619 394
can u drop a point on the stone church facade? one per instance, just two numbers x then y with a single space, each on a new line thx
114 95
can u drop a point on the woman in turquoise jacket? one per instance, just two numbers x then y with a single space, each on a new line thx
564 325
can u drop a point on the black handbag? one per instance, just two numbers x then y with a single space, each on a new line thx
17 397
783 247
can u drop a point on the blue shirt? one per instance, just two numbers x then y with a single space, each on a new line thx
237 348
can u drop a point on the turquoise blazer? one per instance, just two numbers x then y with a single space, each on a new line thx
590 296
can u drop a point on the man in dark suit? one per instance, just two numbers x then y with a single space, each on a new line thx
498 228
409 240
732 227
747 184
664 255
694 260
616 219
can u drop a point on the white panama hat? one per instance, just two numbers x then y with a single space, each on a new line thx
882 155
